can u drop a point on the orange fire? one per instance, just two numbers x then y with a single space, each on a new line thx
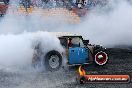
82 72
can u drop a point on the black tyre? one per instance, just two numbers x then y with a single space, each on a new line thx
53 61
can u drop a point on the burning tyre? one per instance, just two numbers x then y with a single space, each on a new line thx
53 61
101 58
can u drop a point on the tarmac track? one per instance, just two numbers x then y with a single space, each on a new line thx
120 62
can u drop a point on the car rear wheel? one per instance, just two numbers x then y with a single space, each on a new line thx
53 61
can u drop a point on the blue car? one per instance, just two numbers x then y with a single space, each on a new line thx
77 51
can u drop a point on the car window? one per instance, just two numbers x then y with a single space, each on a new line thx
81 43
77 42
63 42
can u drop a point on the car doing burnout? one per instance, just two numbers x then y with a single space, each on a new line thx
77 51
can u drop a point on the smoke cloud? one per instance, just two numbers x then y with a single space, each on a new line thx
17 50
108 26
19 35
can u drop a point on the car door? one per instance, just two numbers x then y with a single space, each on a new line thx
78 55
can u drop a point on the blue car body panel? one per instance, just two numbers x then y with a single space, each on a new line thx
78 55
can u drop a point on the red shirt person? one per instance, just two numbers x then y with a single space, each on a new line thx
70 42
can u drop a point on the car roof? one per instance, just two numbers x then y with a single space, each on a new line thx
61 34
66 34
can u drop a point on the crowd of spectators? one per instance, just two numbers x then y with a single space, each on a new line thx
69 4
60 3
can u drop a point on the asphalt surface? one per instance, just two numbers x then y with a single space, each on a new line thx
120 62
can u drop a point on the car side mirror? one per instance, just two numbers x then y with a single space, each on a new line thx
85 42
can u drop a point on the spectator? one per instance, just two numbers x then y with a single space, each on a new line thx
36 3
